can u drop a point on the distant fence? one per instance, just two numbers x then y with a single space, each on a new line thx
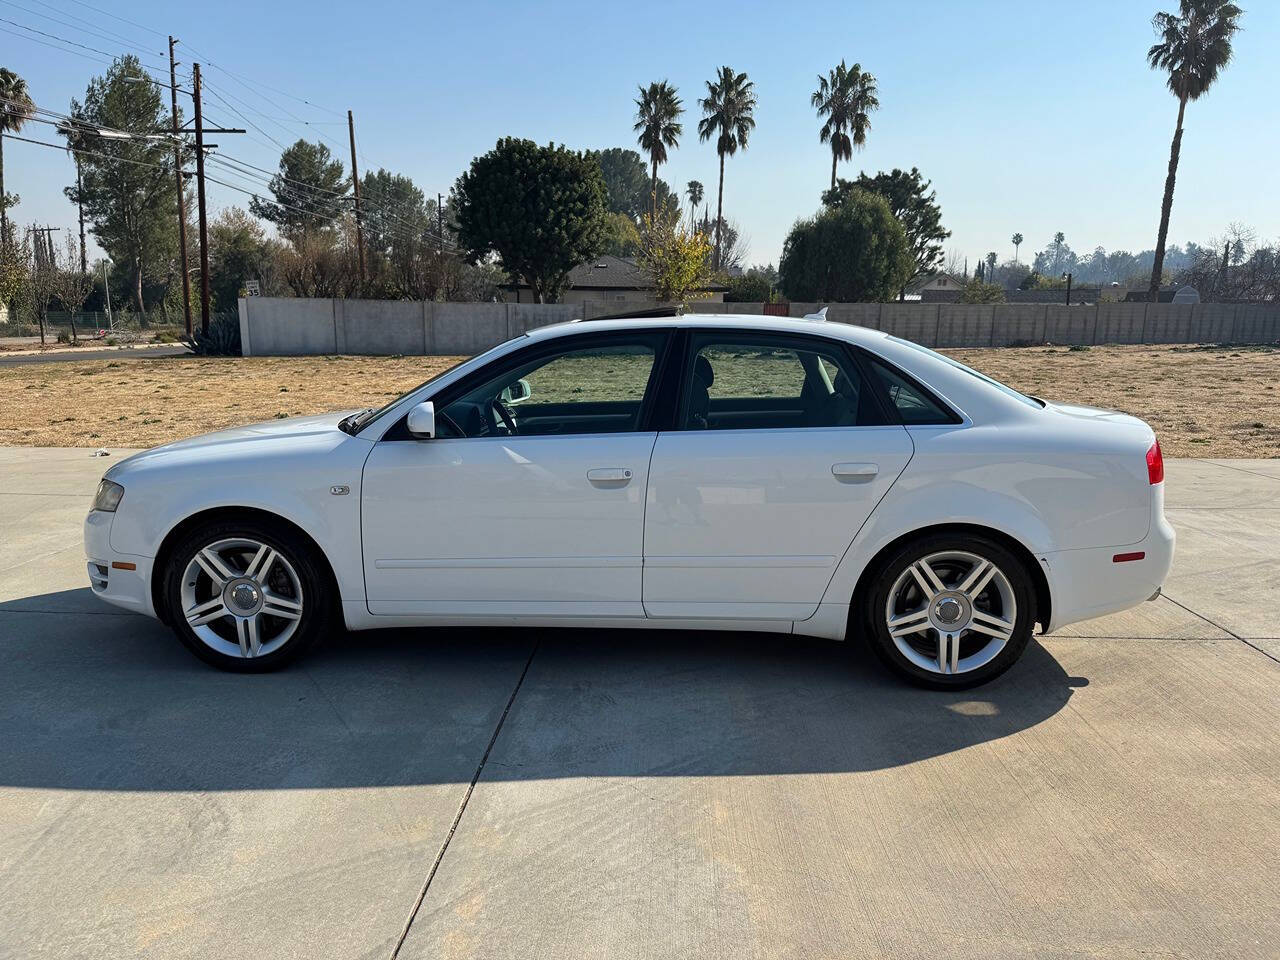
294 326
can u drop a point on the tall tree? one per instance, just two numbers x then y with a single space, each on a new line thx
239 250
658 126
1194 47
541 210
16 109
310 191
693 190
127 184
627 186
914 203
1016 240
846 97
728 116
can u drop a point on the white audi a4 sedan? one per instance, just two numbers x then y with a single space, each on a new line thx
693 472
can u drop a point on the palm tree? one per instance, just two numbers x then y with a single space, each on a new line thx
846 97
1194 47
1017 239
16 108
693 190
729 116
658 112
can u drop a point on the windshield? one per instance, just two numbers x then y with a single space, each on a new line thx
357 422
1009 391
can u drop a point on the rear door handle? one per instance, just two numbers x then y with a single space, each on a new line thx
855 472
609 475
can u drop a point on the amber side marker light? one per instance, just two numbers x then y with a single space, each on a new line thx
1126 557
121 565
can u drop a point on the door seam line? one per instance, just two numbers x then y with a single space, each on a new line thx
644 519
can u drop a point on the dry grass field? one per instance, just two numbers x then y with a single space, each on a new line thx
1202 401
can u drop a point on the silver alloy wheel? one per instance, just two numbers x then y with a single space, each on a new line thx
241 597
948 600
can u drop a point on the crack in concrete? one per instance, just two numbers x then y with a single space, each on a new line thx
462 807
1219 626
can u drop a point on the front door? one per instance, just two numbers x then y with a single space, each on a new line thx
781 455
530 500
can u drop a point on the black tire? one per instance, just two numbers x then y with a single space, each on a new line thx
876 598
320 608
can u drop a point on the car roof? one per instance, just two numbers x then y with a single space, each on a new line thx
717 321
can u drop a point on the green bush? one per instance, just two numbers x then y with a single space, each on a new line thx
748 288
975 291
856 251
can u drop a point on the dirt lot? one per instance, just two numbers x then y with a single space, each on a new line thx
1203 401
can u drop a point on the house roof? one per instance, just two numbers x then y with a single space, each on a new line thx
918 284
614 273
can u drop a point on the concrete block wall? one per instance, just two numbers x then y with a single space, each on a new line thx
296 326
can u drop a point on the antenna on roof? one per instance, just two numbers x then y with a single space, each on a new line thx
819 317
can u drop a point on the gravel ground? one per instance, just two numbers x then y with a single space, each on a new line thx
1203 401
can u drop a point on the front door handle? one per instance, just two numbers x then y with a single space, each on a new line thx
619 475
855 472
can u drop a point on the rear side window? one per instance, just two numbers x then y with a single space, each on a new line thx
763 383
914 405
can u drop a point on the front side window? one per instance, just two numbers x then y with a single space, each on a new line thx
599 388
761 383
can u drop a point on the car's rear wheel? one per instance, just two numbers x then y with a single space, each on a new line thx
951 611
246 596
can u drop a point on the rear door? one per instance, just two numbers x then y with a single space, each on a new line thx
781 453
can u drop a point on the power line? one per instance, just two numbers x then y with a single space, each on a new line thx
107 13
91 29
54 36
249 87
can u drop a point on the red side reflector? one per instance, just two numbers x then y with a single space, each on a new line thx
121 565
1126 557
1155 464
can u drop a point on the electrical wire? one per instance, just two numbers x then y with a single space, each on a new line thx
90 29
54 36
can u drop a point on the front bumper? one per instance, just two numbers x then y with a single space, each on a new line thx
119 578
1089 583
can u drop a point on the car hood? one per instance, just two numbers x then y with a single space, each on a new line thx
254 441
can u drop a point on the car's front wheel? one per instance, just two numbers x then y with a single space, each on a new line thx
951 611
246 596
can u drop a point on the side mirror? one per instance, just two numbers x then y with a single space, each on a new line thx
422 421
518 392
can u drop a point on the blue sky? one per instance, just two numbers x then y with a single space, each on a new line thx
1028 117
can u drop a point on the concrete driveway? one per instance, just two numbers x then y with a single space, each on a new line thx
458 793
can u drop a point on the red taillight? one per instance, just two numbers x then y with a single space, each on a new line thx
1155 464
1127 557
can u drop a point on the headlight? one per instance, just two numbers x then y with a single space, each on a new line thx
108 496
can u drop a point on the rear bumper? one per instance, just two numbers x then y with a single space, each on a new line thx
1089 583
118 578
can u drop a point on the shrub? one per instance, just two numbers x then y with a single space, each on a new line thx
856 251
748 288
975 291
222 340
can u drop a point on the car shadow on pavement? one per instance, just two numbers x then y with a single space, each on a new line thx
111 701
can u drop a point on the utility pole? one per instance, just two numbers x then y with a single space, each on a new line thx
355 186
182 205
204 226
440 220
1068 276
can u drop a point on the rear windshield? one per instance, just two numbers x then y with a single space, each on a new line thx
1009 391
